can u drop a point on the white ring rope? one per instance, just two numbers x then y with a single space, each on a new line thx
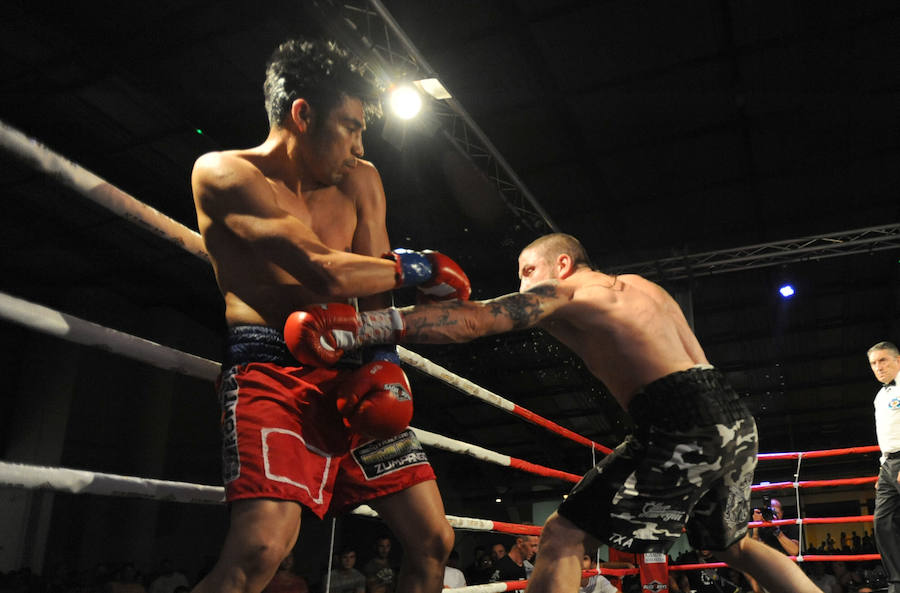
464 385
90 185
461 447
69 327
99 190
73 481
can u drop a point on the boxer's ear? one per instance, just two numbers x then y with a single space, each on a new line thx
564 266
301 114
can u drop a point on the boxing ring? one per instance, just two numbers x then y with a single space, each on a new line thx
42 319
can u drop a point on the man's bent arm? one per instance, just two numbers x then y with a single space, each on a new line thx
364 185
233 198
462 321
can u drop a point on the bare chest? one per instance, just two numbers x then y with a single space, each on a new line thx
330 213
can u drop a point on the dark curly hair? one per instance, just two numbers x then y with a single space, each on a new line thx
319 71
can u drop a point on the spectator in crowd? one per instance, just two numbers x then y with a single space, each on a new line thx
346 579
380 575
595 583
822 579
479 572
782 538
512 566
453 576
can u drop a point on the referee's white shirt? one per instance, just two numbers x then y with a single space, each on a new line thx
887 418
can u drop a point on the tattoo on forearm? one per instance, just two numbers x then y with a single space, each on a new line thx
438 316
459 320
526 308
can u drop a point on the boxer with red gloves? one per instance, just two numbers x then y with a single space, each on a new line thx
296 220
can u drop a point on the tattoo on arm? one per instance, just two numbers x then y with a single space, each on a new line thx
524 309
455 321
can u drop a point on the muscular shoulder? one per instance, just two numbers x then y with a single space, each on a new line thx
363 184
225 182
224 170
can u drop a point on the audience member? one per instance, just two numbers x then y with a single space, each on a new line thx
380 575
512 566
346 579
782 538
596 583
479 572
453 576
824 581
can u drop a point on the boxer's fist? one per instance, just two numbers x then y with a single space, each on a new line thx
318 335
438 277
447 282
375 400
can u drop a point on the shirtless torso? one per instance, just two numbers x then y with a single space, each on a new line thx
280 238
627 330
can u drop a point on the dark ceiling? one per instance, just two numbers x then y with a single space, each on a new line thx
647 129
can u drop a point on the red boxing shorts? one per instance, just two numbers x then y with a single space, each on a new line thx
283 437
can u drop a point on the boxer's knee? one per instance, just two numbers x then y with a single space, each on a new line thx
437 543
560 537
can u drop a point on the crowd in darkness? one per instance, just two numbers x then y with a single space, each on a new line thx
126 577
122 577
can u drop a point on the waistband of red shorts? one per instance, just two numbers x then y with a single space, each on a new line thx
256 343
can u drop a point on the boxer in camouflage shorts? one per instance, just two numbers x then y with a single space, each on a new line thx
690 460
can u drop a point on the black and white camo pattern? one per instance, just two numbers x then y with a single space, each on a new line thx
640 497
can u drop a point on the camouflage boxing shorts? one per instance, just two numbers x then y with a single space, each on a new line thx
689 463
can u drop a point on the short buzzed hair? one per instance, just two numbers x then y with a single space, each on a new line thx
555 244
884 346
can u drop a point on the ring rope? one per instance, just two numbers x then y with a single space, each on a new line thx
812 521
69 327
466 386
45 160
814 483
99 190
73 481
821 453
448 444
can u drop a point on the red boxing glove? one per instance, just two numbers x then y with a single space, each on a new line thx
319 335
375 400
448 281
438 277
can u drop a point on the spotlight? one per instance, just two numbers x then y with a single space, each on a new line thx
498 499
406 102
787 291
